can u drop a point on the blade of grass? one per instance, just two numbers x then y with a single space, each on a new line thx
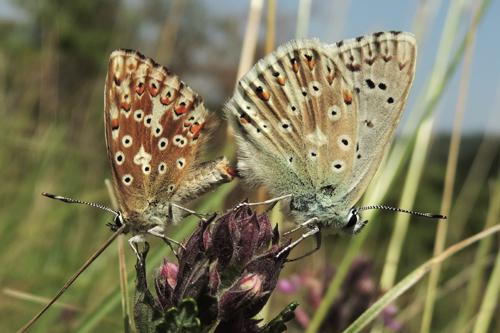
303 15
490 300
411 279
122 267
38 299
466 199
451 166
251 37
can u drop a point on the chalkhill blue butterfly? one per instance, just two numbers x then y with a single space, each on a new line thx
313 122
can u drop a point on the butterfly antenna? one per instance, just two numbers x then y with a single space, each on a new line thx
400 210
73 278
74 201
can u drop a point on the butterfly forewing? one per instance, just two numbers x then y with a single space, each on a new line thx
152 123
296 111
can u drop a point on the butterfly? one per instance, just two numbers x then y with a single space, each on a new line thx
155 127
313 121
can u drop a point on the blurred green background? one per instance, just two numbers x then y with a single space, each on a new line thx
53 57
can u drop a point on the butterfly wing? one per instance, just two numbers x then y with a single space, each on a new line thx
381 68
296 115
308 120
153 126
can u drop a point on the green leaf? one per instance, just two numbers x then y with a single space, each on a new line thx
181 319
277 325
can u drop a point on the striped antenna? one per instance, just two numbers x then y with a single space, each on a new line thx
74 201
400 210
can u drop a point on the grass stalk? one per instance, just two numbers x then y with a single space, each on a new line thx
451 166
490 300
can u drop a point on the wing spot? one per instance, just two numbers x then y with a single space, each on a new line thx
119 158
370 83
338 166
290 159
147 121
390 100
146 169
344 142
138 114
369 123
287 127
181 162
127 141
347 97
313 154
263 95
162 168
334 113
382 86
158 130
162 144
171 188
127 179
315 88
358 156
180 141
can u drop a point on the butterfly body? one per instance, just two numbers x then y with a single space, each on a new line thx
155 127
314 120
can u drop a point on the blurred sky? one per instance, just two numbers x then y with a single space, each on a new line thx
334 20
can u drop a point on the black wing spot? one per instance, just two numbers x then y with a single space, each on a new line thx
390 100
370 84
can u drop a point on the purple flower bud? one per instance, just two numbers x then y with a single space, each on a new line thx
169 272
246 290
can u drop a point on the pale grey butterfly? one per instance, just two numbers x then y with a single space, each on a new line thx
313 122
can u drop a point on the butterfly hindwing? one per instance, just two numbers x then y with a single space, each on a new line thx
153 124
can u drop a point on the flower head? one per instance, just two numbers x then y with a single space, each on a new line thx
229 266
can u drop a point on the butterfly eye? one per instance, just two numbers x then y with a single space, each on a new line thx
353 218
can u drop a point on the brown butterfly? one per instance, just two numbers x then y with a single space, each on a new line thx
155 129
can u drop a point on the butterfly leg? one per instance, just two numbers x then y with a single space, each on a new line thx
317 238
190 211
271 201
159 232
300 226
314 231
134 242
